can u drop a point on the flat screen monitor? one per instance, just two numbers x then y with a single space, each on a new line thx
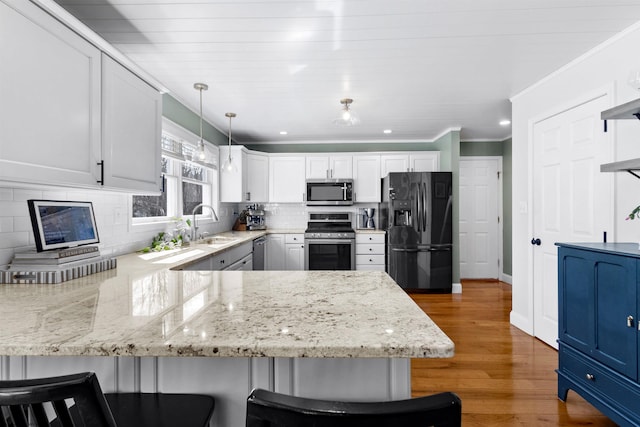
62 224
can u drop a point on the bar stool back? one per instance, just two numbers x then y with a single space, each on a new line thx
269 409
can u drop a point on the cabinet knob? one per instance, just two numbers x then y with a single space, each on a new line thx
591 377
370 249
536 242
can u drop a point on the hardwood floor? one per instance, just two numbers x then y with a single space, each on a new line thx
503 376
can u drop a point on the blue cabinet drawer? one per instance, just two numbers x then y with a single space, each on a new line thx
605 384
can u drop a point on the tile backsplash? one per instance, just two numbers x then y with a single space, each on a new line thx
294 216
113 217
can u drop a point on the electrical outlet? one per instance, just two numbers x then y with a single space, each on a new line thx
118 216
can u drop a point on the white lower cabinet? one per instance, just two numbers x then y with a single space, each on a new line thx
294 252
284 252
237 258
370 251
274 252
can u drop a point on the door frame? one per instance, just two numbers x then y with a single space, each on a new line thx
607 91
501 275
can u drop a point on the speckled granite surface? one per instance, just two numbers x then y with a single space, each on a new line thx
145 309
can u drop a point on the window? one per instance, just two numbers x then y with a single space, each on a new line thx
186 183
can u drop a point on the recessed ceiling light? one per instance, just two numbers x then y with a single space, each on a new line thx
283 132
505 122
387 131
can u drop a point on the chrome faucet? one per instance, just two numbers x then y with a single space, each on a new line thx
194 232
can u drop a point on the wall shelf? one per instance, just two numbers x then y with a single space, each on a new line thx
630 110
632 166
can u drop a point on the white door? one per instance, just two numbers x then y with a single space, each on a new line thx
479 218
572 200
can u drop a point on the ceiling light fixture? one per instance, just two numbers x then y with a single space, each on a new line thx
347 116
283 132
200 154
229 165
505 122
387 131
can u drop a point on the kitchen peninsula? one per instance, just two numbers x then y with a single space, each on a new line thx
150 327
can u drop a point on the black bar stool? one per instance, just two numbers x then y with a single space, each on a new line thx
42 402
269 409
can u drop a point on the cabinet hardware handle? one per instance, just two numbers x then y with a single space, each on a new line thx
536 242
164 180
591 377
630 321
101 164
248 196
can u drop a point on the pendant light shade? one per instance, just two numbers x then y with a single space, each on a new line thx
200 154
347 116
229 165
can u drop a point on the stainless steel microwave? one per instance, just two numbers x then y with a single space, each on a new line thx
329 192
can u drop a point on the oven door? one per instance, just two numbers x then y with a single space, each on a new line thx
329 254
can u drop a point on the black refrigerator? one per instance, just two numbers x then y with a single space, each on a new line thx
416 213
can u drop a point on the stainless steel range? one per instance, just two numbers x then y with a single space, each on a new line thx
329 242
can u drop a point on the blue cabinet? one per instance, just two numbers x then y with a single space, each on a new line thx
598 328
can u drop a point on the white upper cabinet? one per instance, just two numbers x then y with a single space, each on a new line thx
366 178
393 163
286 179
428 161
69 115
131 130
49 102
250 182
257 190
325 167
425 161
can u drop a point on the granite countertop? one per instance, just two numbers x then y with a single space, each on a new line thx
144 308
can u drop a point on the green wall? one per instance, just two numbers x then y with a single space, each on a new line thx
449 147
181 115
481 148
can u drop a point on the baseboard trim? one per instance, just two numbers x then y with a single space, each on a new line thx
506 278
456 288
521 322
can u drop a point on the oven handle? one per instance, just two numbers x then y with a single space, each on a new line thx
329 241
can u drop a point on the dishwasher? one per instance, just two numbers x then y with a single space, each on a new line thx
258 253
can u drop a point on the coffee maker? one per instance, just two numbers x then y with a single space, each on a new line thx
255 217
367 216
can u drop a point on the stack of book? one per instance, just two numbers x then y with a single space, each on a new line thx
54 258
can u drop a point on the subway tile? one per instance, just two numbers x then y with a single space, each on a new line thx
6 225
14 240
11 208
6 194
22 223
24 195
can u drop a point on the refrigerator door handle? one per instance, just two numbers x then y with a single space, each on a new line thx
424 206
419 207
405 250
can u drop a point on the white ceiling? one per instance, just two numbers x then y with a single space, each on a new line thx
418 67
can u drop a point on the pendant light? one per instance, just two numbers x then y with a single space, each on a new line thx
347 116
200 154
229 165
